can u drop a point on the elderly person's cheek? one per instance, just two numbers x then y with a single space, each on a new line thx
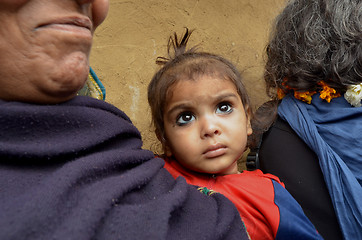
64 69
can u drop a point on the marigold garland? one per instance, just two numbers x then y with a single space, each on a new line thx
304 96
280 93
327 93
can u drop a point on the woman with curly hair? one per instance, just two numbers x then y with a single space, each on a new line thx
314 75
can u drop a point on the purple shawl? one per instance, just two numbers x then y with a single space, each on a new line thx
76 170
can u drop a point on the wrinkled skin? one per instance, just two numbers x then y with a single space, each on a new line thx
45 47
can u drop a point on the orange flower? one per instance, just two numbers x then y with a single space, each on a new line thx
304 96
328 93
280 93
284 83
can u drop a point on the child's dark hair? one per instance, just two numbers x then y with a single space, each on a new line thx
183 64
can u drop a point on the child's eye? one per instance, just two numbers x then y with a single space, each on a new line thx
185 118
223 108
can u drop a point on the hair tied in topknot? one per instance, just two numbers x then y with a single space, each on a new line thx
176 47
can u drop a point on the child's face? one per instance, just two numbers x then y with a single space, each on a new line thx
206 126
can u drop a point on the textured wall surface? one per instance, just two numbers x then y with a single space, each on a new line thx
136 32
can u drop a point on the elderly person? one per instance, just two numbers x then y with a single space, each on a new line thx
315 66
72 167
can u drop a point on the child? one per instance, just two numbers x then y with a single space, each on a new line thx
201 114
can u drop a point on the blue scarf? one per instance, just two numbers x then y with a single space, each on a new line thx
334 132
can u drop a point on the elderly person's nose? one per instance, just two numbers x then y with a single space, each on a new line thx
99 10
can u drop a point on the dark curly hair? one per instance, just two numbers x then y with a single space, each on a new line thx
315 40
183 64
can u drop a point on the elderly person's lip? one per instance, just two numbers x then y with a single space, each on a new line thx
66 23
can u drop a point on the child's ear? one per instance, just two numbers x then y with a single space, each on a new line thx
158 135
249 129
166 148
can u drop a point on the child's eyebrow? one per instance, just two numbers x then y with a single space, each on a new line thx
225 96
177 107
217 98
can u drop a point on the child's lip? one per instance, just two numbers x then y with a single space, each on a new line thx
215 150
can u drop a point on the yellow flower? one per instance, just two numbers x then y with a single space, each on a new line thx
327 93
304 96
280 93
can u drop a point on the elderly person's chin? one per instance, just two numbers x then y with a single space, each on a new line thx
62 83
45 47
54 82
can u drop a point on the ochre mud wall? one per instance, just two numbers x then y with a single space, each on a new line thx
136 32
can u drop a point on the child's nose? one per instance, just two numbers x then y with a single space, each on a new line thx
209 128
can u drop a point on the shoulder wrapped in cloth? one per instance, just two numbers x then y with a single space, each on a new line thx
77 171
334 132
